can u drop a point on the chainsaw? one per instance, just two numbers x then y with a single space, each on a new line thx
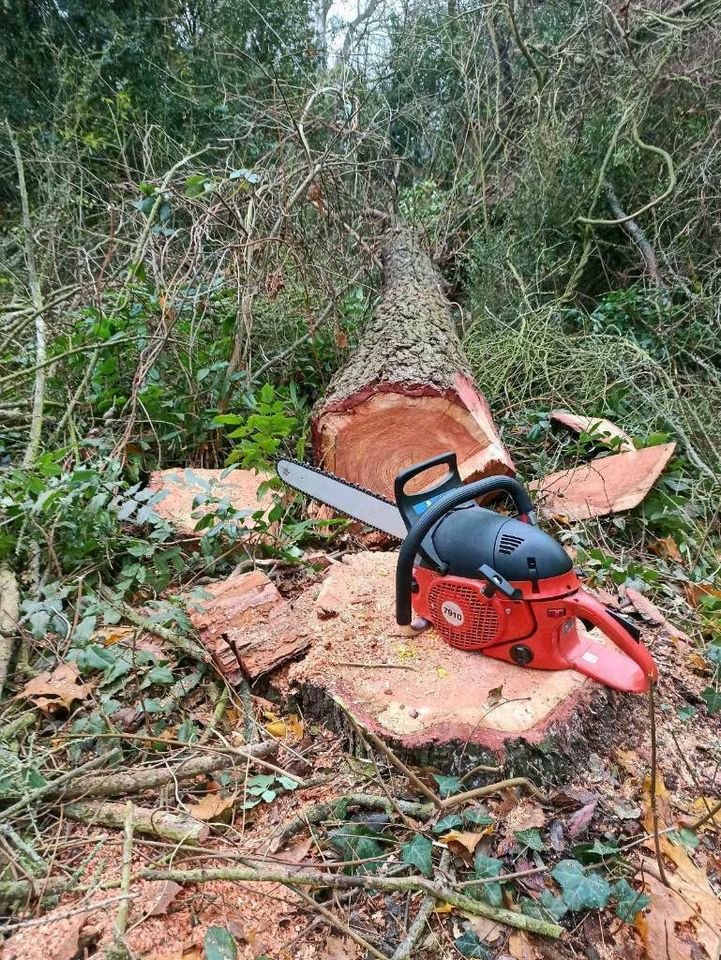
487 582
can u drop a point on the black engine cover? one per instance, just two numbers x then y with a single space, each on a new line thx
471 536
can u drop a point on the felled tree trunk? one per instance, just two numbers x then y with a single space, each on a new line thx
406 392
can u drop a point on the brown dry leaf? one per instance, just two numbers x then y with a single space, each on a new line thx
164 897
463 843
694 592
520 947
650 612
211 807
579 821
111 635
629 760
487 930
339 948
57 689
297 851
526 815
702 806
668 548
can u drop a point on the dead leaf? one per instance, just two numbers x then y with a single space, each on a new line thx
444 908
115 634
487 930
526 815
580 820
292 726
463 843
57 689
650 612
339 948
667 548
211 807
701 807
520 947
297 851
166 895
629 760
694 592
495 696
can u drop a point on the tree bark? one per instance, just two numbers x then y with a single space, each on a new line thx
406 392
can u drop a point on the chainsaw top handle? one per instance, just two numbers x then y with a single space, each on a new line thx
434 512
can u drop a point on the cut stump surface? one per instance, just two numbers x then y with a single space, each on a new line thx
423 697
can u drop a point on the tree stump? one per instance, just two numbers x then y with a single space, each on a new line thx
431 703
406 392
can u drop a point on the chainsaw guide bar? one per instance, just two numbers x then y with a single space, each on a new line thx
348 498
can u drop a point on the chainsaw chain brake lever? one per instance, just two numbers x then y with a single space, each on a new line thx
497 582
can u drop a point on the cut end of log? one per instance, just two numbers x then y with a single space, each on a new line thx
370 437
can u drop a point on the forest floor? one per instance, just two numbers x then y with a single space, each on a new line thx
340 850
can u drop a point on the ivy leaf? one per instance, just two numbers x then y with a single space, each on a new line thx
449 822
595 852
712 699
469 944
547 907
357 842
530 838
485 869
219 944
160 675
418 852
581 890
447 786
629 901
477 815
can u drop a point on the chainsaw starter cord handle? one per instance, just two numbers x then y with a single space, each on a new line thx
428 519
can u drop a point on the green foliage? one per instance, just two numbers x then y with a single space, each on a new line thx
219 944
358 842
530 838
485 868
418 852
264 788
262 431
447 786
469 944
628 901
581 889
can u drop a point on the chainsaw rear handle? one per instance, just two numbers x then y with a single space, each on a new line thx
636 675
454 498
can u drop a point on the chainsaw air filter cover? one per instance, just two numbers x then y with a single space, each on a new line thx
463 616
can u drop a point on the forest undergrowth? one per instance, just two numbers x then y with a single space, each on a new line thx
193 203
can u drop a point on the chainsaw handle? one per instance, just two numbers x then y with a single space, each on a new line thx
641 671
454 498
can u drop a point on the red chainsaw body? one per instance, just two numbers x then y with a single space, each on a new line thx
539 630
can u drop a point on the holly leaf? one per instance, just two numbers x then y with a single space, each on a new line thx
418 853
469 944
629 901
581 890
219 944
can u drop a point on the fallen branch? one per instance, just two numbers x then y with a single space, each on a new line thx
406 947
55 787
178 827
119 951
137 780
342 882
9 611
491 788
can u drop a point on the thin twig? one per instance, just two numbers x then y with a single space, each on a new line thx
654 809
